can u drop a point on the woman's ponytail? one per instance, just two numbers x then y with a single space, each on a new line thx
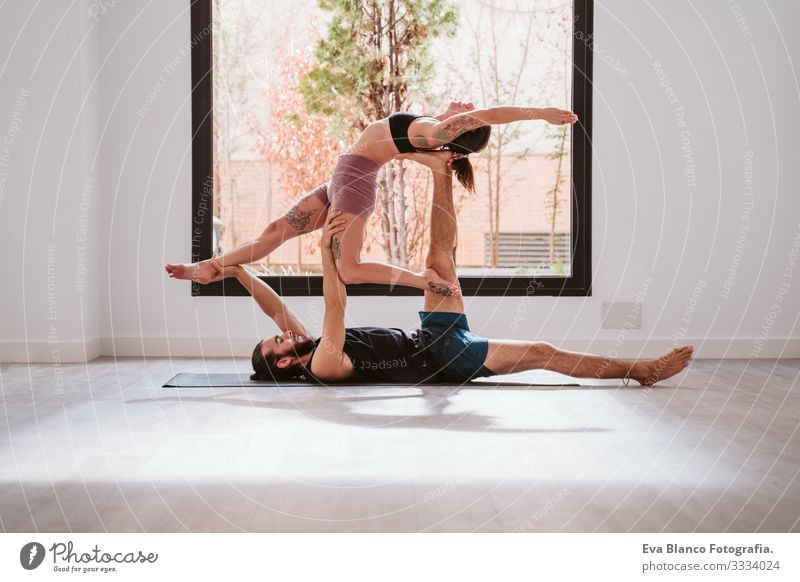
467 143
464 173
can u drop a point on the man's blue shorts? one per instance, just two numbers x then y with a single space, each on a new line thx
456 354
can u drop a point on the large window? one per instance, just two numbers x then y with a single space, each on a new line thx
281 88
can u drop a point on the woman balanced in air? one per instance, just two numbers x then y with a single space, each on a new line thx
461 129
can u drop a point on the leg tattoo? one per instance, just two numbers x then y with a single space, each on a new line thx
439 289
299 219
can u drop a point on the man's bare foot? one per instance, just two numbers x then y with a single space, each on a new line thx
649 372
203 272
441 286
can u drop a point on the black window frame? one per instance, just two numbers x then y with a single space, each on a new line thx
577 285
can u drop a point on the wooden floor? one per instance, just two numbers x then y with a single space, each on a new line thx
102 447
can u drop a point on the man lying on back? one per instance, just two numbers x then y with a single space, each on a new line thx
442 349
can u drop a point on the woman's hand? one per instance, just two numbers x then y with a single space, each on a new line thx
558 116
333 225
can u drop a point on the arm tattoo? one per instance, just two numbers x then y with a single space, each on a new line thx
455 127
298 219
336 247
423 141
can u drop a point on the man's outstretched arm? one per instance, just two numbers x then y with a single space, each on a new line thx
269 301
330 362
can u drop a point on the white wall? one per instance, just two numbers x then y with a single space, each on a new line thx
657 233
50 231
734 88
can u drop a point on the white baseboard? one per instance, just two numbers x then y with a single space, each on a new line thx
51 353
179 347
242 347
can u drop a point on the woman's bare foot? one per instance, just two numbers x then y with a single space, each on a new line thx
441 286
649 372
203 272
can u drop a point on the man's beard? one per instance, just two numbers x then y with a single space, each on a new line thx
304 347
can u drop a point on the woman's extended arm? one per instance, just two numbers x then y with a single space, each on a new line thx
449 129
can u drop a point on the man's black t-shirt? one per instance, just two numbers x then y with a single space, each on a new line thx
382 354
